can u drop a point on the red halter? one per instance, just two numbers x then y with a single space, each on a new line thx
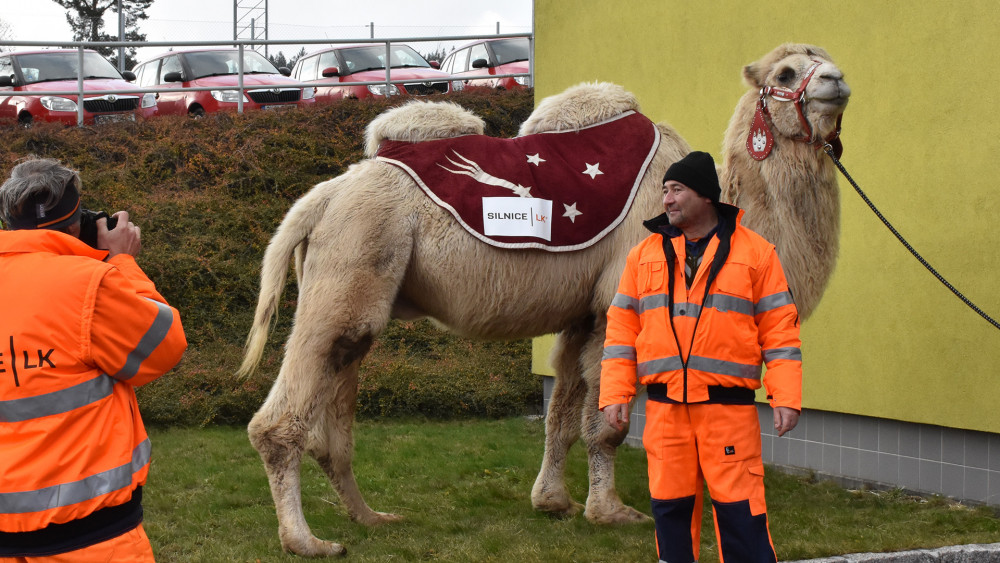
760 141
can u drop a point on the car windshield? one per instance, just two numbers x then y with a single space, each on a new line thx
219 63
47 67
510 50
359 59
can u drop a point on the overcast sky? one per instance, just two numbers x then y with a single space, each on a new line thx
197 20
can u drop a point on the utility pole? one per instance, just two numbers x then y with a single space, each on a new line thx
250 21
121 37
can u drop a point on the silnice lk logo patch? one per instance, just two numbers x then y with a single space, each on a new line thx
517 217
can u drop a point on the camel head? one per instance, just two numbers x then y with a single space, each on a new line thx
802 92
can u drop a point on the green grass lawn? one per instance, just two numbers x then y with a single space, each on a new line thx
464 489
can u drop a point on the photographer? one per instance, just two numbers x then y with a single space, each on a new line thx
80 328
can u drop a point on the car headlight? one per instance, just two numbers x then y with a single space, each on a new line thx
523 80
148 101
55 103
232 96
379 89
457 85
308 93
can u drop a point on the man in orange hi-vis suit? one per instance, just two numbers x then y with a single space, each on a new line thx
80 328
702 303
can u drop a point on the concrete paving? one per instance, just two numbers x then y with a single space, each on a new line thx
972 553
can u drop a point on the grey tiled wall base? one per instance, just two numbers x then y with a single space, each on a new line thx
882 453
973 553
875 452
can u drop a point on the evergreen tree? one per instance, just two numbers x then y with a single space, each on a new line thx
279 60
299 55
86 19
437 55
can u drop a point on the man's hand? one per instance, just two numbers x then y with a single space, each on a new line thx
617 415
785 419
123 239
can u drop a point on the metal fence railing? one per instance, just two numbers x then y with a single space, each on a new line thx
80 46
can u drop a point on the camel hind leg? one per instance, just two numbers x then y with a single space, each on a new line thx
332 445
344 303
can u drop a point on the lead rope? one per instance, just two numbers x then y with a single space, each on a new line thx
828 148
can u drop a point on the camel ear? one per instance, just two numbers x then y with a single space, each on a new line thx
752 75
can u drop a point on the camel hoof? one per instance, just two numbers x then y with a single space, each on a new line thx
377 518
314 547
565 509
623 515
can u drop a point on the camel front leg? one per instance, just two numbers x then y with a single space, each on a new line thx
562 425
332 446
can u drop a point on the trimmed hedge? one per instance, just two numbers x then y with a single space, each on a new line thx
208 194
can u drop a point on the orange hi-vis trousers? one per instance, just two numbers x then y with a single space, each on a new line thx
689 445
130 547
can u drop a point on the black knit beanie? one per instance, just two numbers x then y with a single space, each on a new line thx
696 171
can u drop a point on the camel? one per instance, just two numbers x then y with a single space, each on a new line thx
368 246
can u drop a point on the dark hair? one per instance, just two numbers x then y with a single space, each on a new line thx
42 184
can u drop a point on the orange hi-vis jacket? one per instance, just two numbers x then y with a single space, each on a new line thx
699 344
77 334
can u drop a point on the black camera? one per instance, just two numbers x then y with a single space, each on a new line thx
88 225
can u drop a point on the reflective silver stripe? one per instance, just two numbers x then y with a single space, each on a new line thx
623 301
149 341
687 310
651 302
721 367
773 302
789 353
659 366
619 353
723 303
56 402
729 303
77 491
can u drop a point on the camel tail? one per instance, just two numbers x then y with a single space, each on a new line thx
288 240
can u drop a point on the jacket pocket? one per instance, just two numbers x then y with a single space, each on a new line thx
651 276
734 279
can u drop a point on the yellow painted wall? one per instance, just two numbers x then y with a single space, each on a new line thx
920 136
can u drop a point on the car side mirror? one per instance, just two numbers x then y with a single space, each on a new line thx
6 81
435 64
173 77
285 71
332 71
129 75
480 63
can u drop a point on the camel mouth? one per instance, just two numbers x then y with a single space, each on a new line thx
838 103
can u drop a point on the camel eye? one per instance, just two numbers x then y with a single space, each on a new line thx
786 75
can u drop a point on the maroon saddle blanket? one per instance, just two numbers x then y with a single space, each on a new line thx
556 191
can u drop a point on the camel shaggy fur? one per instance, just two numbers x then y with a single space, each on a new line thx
370 246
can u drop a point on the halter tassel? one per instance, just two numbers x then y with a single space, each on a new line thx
760 141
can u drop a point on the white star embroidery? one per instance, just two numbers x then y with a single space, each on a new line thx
593 170
535 159
571 212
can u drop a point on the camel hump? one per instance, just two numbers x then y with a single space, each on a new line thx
421 121
581 105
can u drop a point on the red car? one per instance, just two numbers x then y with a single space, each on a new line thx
366 63
55 70
264 86
491 57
